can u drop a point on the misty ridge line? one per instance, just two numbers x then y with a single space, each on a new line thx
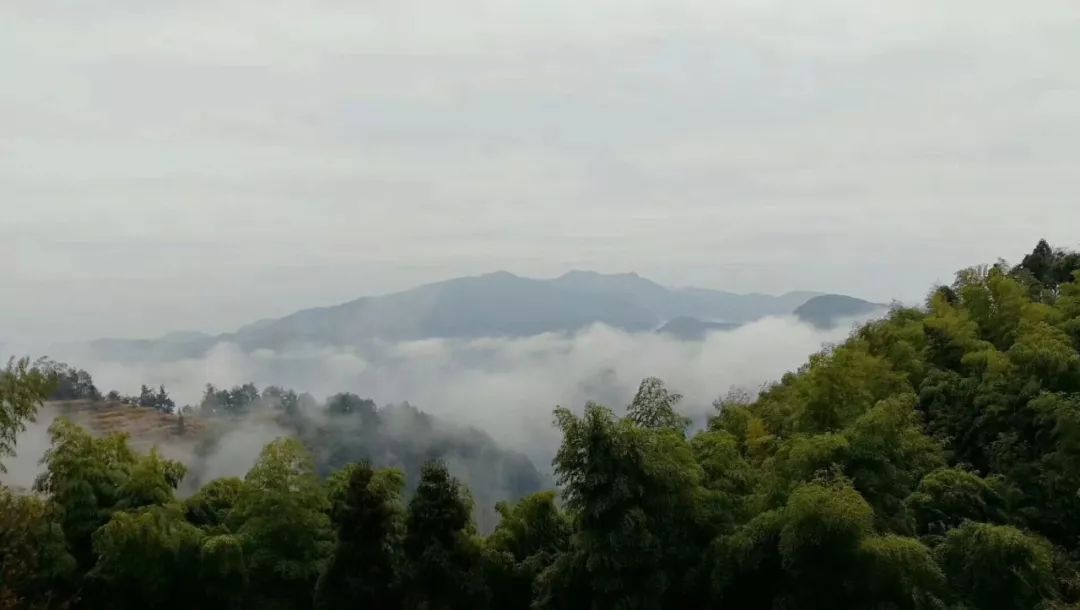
566 278
501 304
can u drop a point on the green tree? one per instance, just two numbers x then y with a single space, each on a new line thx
998 567
888 454
634 493
1045 355
897 572
162 402
364 568
223 571
281 516
22 390
824 526
351 404
85 477
947 497
210 507
147 397
1054 479
151 481
530 535
36 570
839 386
747 568
147 558
1047 267
281 399
443 561
531 526
654 406
67 382
729 477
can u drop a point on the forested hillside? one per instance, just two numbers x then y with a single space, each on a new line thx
932 460
223 433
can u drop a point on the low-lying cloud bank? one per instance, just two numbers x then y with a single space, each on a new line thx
505 386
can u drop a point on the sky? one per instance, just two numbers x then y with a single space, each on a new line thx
195 165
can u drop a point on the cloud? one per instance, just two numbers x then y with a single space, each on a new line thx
235 450
506 387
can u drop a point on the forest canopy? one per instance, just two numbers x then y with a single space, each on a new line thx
931 460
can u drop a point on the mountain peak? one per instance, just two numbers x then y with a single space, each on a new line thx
577 274
501 303
500 274
827 310
584 273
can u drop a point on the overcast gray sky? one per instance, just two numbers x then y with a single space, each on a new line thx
196 165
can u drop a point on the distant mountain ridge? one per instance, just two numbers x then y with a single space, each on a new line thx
498 304
828 310
691 329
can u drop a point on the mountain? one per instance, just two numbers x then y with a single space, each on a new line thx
827 310
692 329
492 305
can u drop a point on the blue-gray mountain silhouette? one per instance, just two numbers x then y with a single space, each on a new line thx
498 304
827 310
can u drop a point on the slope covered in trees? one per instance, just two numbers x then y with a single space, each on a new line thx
930 461
222 434
346 429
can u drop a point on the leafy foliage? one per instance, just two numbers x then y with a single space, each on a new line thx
35 565
365 567
68 383
22 390
997 566
282 517
146 558
442 559
156 400
654 406
84 477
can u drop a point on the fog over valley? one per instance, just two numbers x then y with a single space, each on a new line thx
506 386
